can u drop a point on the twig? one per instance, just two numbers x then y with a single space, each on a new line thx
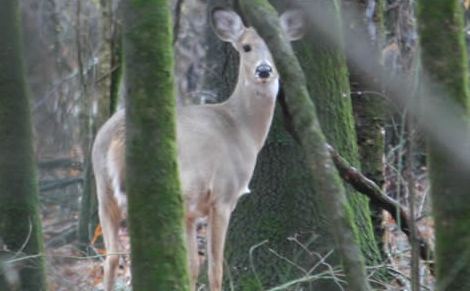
252 264
398 273
24 258
26 241
322 261
287 260
311 278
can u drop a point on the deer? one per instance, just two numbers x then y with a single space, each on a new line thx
218 145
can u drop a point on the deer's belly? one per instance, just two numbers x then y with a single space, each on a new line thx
221 187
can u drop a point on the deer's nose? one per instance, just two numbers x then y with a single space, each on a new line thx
263 71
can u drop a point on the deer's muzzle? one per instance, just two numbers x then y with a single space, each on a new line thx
264 71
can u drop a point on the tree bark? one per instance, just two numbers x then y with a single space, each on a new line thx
158 251
20 224
444 59
86 137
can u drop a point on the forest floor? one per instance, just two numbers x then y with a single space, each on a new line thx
70 269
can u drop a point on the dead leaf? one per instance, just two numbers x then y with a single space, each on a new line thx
97 234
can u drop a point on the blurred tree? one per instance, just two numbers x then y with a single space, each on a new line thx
158 251
444 59
20 224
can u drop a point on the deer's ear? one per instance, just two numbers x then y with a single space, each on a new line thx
293 24
227 25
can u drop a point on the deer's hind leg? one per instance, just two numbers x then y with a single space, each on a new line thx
110 220
193 256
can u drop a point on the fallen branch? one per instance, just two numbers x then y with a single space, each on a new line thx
47 185
65 237
366 186
59 163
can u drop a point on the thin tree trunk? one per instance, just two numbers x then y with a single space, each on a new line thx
444 59
84 231
158 251
20 224
117 67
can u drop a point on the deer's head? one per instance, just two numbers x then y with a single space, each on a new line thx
256 62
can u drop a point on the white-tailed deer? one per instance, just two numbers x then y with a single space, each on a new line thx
217 149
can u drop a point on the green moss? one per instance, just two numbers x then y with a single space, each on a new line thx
159 260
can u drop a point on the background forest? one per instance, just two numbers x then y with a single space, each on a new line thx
385 118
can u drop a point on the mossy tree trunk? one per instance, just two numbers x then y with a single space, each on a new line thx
444 59
158 251
284 215
20 225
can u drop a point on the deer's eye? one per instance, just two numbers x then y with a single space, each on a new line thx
246 48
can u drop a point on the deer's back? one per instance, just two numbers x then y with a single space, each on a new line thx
109 143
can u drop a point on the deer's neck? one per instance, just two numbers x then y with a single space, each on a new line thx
253 107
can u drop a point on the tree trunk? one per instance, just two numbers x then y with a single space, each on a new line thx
114 30
283 217
20 225
368 97
158 251
445 61
86 135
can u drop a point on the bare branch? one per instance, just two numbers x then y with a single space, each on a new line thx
366 186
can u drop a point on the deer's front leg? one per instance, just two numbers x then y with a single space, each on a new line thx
218 224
